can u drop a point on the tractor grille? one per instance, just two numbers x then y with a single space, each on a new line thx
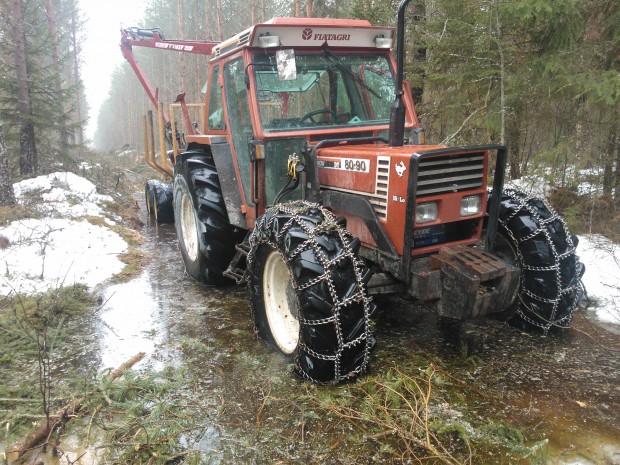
450 173
380 200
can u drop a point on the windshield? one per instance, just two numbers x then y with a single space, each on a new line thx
328 90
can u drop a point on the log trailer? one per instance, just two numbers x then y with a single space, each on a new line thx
308 178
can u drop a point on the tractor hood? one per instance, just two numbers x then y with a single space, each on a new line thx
368 168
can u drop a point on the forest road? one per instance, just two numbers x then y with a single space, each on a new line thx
563 388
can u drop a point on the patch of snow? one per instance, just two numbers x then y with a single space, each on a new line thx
126 153
534 185
62 193
59 249
48 253
601 258
586 188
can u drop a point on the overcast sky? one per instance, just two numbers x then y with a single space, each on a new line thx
100 48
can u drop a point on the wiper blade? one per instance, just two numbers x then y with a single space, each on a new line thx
328 53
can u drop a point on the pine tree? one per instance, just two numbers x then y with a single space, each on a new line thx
41 82
7 195
28 161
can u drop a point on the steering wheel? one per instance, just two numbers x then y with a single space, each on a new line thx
310 116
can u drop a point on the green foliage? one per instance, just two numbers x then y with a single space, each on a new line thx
52 89
422 422
32 312
33 334
540 76
514 442
151 416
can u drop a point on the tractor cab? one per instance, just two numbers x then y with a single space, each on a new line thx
282 86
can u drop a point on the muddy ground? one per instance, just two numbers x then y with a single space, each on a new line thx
560 391
562 388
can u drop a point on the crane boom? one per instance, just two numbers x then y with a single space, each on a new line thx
154 38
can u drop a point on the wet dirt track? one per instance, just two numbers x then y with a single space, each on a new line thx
563 387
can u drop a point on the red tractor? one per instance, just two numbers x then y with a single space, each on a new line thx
308 177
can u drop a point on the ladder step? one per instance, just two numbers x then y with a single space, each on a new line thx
243 248
233 272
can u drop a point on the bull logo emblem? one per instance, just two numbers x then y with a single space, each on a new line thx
306 34
400 169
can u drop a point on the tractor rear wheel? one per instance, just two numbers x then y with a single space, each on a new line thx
206 238
309 295
533 237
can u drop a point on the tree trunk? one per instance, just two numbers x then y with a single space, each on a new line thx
28 161
502 76
182 64
53 32
608 166
512 139
220 31
76 77
297 9
309 8
7 195
254 9
617 173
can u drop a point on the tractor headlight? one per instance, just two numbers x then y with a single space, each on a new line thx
426 212
470 205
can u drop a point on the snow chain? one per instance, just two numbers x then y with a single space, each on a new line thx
268 228
524 203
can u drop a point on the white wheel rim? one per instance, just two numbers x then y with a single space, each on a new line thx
188 227
280 303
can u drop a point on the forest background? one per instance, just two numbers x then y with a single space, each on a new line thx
541 76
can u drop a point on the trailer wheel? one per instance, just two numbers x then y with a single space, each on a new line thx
309 295
148 197
206 237
535 238
158 196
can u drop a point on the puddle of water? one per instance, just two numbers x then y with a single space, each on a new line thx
130 321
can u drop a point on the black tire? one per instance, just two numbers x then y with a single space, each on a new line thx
159 201
148 197
206 238
304 263
535 238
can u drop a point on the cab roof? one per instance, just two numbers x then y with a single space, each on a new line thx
308 32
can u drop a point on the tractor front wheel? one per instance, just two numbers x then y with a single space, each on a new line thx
309 295
533 237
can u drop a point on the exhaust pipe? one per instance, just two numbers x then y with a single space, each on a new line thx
397 112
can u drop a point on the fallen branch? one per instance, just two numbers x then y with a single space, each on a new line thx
18 401
128 364
41 435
